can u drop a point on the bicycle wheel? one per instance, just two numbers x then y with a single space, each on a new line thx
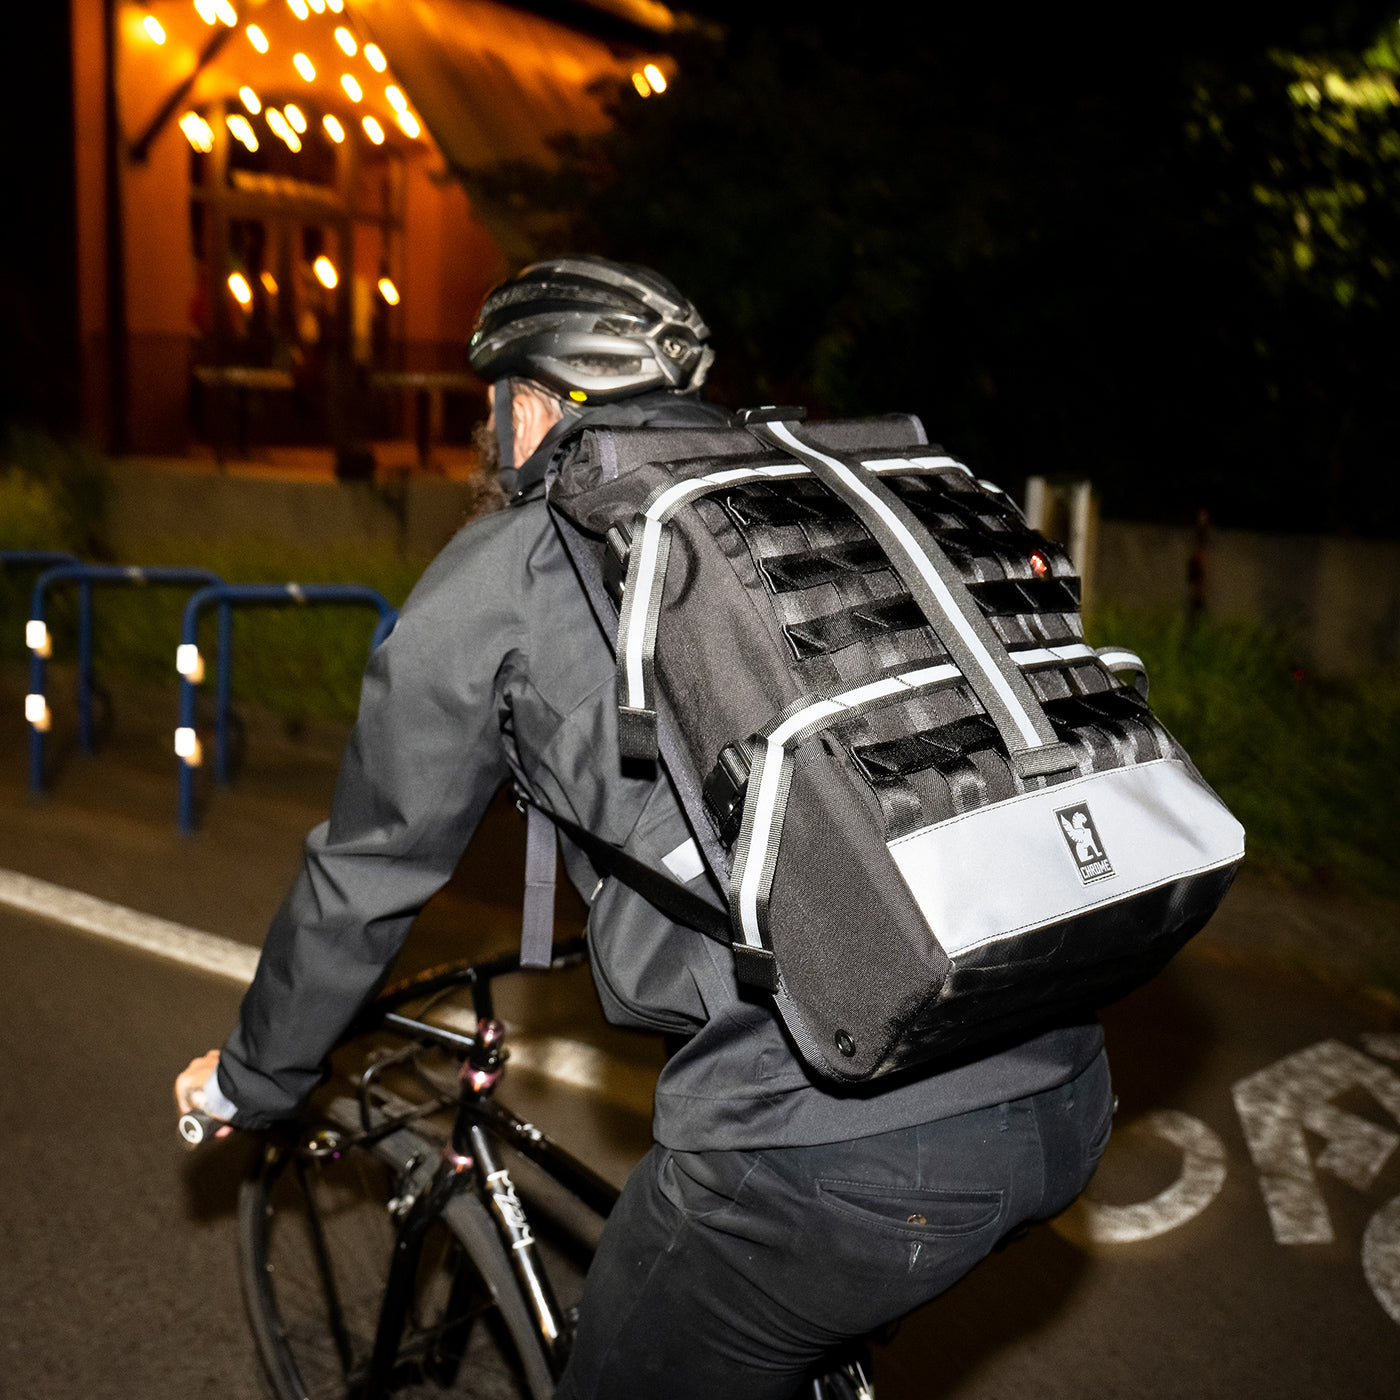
316 1235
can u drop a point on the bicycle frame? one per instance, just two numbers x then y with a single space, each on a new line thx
469 1162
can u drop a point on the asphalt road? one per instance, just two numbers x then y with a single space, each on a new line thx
1243 1236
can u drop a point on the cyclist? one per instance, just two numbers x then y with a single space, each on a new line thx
776 1216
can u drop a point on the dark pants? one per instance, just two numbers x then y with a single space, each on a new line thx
732 1273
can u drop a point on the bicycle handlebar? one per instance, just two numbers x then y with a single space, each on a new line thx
197 1127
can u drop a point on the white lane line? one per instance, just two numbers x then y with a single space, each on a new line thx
205 951
570 1062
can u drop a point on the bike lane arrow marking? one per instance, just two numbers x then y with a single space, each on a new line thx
1278 1103
1089 1222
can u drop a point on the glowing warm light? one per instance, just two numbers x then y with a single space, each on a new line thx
153 28
304 66
374 131
242 292
325 272
335 6
346 40
388 291
36 711
225 11
257 38
352 88
189 663
207 10
293 114
198 132
318 5
396 98
374 56
250 100
238 124
187 747
656 79
36 634
409 123
283 128
333 128
298 8
639 82
269 282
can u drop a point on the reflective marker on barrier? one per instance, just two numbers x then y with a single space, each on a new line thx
189 663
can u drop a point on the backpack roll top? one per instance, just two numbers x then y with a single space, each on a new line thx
941 817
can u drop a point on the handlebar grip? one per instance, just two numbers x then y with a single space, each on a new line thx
197 1127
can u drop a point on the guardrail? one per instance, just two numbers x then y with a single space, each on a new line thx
40 642
190 662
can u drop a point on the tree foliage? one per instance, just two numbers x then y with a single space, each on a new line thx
1069 250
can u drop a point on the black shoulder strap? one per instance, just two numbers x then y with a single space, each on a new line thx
669 896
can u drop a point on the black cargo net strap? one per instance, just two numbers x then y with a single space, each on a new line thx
936 585
646 576
765 803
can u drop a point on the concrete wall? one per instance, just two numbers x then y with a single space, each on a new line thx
1339 597
153 502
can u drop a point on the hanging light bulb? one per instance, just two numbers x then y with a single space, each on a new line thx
250 100
294 115
325 272
333 128
388 291
346 40
374 56
257 38
353 90
409 123
374 131
304 66
153 29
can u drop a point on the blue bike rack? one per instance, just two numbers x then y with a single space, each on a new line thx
40 643
190 664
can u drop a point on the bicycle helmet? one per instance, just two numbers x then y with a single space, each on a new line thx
591 330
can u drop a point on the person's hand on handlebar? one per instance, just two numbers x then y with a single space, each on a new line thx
189 1087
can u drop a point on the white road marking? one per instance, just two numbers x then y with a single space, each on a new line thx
1088 1222
570 1062
1293 1094
205 951
1383 1045
1380 1256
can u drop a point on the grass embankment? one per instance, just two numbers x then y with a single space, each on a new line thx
1308 765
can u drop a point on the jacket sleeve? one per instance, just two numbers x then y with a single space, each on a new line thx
423 762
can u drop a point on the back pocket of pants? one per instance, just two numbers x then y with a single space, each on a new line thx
910 1212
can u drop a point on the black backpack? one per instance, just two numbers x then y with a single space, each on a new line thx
942 819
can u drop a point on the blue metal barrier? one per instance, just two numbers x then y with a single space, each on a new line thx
40 643
41 558
190 663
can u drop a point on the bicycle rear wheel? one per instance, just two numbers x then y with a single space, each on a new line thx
316 1233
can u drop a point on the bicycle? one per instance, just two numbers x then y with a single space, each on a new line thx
412 1236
